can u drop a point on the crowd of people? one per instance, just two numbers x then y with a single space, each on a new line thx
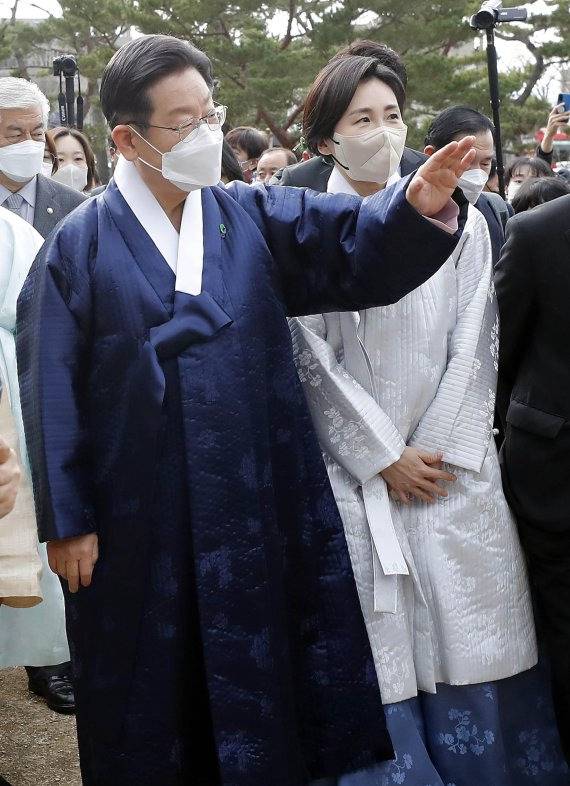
283 469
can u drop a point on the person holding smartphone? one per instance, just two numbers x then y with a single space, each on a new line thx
557 120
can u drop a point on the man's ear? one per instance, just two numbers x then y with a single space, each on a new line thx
326 147
429 150
122 136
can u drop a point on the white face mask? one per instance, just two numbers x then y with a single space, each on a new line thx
195 164
47 168
512 190
22 161
372 157
472 184
72 175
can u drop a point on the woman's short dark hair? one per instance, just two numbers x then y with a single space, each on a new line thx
538 190
59 133
251 140
384 54
537 168
454 123
333 90
231 170
139 65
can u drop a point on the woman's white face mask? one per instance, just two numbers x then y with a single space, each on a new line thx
72 175
191 165
372 157
512 189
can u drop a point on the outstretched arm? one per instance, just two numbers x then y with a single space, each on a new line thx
334 252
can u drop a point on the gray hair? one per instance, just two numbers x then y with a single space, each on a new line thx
21 94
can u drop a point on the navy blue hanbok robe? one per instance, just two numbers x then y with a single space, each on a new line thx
221 641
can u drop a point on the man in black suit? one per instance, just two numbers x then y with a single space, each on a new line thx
533 290
42 202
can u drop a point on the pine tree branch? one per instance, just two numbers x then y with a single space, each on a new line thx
288 37
293 116
280 133
14 12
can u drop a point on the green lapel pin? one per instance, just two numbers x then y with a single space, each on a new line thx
223 230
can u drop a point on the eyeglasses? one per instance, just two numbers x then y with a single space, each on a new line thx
188 131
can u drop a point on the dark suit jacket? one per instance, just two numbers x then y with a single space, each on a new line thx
496 229
533 290
315 172
53 202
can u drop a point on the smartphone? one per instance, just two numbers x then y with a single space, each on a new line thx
564 98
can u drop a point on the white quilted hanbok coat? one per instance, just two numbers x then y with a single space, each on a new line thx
443 586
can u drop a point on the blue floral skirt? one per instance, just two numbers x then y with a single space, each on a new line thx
495 734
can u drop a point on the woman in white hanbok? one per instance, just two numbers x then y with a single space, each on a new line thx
394 392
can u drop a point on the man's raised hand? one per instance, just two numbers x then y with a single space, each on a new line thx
436 180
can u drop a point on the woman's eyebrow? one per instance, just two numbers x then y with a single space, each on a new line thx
369 110
360 111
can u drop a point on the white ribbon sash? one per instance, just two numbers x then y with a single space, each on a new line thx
387 555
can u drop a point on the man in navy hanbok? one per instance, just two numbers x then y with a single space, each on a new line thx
216 634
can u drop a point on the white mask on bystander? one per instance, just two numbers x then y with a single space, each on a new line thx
472 184
512 189
22 161
72 175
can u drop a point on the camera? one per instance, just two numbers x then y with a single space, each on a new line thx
65 65
492 12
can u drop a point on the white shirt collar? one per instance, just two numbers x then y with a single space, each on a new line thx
183 252
338 184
